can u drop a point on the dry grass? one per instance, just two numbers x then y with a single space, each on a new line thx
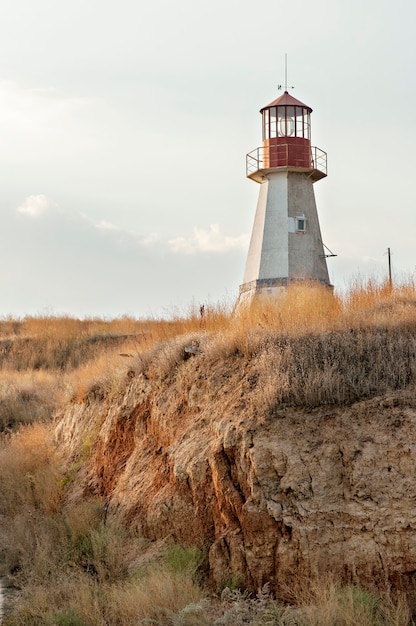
302 309
29 471
335 368
28 397
74 563
161 598
305 310
78 353
46 361
325 602
322 603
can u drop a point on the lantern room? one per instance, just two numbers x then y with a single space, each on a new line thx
286 133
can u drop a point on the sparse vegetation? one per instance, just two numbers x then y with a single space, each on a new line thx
72 564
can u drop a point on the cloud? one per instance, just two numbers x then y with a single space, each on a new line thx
105 225
150 240
34 206
72 263
40 206
211 240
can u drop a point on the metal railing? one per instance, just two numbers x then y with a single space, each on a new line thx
254 161
259 159
319 161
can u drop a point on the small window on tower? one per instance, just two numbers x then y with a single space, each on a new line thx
300 224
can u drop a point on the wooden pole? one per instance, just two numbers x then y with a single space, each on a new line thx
389 257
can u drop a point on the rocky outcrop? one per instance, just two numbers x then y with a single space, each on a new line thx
200 453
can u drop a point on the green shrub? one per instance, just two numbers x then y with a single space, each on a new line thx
183 559
68 618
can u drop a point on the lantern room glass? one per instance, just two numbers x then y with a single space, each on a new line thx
286 121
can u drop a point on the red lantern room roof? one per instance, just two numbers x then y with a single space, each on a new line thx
286 100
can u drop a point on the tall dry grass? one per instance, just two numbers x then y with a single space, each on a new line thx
161 598
312 348
27 397
312 309
75 565
45 361
321 602
78 353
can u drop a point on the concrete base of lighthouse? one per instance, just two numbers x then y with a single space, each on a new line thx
273 289
286 245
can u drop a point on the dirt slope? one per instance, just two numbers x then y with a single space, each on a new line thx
200 450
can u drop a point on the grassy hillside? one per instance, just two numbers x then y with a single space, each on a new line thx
73 565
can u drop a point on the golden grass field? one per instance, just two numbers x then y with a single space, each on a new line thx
73 565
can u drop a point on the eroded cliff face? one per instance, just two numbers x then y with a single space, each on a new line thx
202 455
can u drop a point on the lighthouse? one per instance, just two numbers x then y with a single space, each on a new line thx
286 245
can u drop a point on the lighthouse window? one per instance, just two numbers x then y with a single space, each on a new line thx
286 121
300 224
269 123
299 122
281 122
306 124
290 121
266 124
272 122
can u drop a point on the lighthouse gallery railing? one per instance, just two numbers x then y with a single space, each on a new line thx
255 160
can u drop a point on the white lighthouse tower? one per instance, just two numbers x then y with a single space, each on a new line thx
286 244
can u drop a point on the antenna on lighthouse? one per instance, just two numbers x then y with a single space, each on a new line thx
280 86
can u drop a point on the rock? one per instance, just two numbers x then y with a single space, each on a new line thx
275 496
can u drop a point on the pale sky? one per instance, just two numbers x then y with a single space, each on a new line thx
123 133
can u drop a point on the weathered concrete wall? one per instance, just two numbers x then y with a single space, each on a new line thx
306 252
278 252
268 255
